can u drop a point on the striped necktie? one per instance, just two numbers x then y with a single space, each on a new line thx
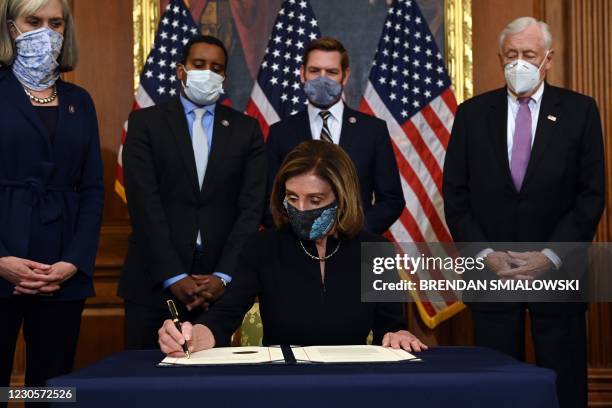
325 133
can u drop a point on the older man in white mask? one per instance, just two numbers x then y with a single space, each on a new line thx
525 164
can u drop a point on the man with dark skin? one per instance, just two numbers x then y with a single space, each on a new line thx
195 173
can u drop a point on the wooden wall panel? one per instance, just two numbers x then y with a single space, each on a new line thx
104 31
590 72
489 17
106 70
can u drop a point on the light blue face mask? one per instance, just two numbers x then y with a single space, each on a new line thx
35 64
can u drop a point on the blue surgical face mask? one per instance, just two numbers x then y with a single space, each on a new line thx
322 91
314 224
203 87
35 64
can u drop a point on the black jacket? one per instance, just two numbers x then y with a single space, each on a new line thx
562 196
366 140
167 207
296 306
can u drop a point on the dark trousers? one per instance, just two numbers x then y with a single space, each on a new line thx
559 342
142 322
51 332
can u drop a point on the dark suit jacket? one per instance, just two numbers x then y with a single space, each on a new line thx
367 142
562 196
296 306
51 194
167 206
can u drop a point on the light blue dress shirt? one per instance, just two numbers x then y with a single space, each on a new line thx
208 120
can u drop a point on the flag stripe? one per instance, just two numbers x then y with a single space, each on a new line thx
403 143
253 111
410 89
443 112
420 182
414 129
260 107
450 100
439 130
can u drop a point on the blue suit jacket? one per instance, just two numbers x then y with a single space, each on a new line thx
51 195
366 140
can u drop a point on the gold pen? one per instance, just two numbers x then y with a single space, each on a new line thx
177 324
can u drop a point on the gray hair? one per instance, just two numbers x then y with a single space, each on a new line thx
520 24
11 9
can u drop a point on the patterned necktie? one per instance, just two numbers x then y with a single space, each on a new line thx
200 144
325 133
521 147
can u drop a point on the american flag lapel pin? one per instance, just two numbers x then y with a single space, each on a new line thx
71 109
551 118
225 123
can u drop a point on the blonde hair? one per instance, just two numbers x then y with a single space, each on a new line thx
11 9
330 163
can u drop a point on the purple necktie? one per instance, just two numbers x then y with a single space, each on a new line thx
521 147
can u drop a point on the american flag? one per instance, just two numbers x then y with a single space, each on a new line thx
278 93
409 88
158 81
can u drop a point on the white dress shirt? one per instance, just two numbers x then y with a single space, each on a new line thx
334 122
513 107
534 107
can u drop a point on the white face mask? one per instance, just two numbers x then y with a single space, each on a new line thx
523 76
203 87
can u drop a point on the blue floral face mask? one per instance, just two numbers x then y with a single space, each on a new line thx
314 224
36 65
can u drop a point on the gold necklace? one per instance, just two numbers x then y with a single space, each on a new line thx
316 258
42 101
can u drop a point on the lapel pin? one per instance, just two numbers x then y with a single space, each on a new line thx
352 119
71 108
552 118
225 123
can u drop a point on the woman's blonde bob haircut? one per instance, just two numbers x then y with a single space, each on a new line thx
11 9
330 163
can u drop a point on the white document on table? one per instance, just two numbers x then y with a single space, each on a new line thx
311 354
351 354
229 355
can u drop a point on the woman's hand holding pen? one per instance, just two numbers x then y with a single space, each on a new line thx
198 337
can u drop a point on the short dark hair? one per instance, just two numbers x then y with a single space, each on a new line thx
198 39
328 44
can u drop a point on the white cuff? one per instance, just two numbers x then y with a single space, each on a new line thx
483 254
554 258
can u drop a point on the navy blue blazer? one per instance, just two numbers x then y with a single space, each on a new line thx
51 195
366 140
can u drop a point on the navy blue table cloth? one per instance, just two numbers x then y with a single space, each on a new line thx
448 377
